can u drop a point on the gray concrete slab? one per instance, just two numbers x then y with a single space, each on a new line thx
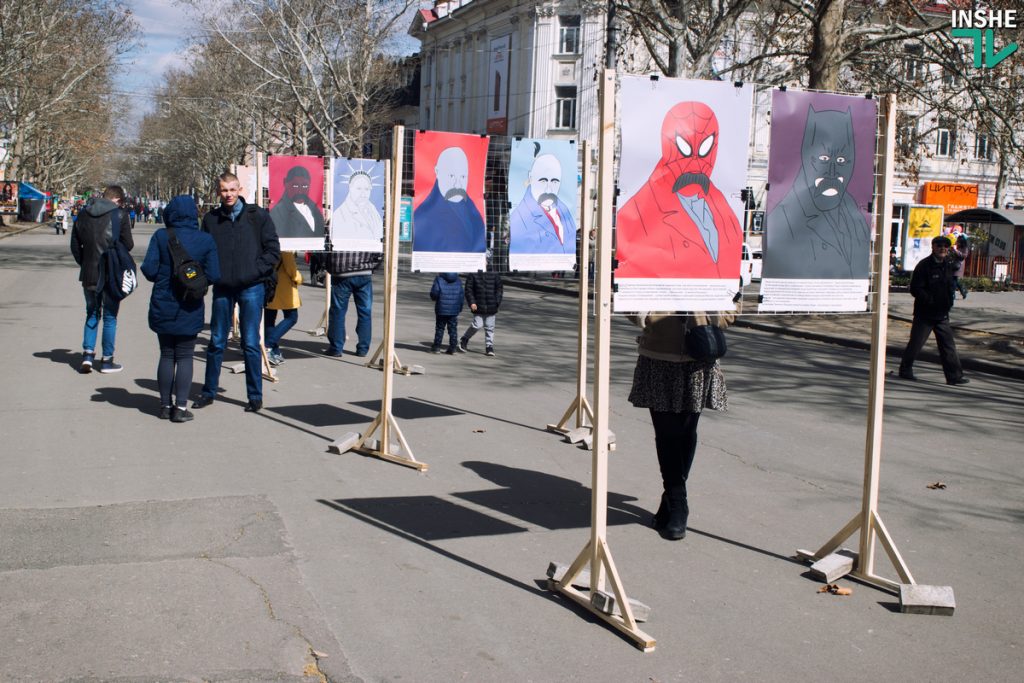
440 576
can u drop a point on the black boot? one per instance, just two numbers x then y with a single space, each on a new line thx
678 511
661 516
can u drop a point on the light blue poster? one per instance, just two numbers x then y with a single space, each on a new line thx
357 222
542 188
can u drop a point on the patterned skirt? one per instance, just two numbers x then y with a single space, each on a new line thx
669 387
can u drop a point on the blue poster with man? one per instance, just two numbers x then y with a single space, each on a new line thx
542 185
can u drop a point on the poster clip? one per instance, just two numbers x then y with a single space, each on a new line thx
737 84
869 95
767 186
782 88
871 207
518 138
654 77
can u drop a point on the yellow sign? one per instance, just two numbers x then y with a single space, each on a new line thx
924 221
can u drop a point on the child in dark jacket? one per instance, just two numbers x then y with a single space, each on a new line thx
447 294
483 294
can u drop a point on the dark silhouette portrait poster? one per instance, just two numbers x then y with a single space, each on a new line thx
542 189
684 162
818 224
357 221
448 229
296 191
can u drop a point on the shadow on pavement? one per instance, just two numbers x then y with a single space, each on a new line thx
122 398
61 356
463 411
546 500
410 408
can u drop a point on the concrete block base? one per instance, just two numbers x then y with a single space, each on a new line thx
918 599
345 443
605 602
835 566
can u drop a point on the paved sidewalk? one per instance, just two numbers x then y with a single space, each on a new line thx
238 548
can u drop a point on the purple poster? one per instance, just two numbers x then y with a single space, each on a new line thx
818 223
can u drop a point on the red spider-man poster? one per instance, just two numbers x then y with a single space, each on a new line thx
684 162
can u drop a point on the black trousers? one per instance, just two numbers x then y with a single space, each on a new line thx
919 332
675 438
174 372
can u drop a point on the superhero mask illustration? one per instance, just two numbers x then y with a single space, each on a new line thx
828 154
679 224
689 145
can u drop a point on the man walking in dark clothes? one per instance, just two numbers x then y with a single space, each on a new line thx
931 285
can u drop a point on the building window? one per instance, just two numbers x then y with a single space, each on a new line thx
565 106
569 35
945 140
949 78
914 68
906 137
983 146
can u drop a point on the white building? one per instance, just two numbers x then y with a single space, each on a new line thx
531 70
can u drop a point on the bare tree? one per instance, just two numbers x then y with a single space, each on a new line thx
57 60
325 62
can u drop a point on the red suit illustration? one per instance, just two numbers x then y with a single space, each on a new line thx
678 224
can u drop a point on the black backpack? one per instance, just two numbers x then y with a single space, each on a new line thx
118 276
188 279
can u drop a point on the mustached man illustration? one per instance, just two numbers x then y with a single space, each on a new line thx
679 224
448 220
817 231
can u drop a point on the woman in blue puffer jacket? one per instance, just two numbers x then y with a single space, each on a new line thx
176 321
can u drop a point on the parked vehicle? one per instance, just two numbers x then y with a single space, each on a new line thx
750 265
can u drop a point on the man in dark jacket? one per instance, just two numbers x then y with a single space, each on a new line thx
483 294
932 288
351 276
248 249
91 235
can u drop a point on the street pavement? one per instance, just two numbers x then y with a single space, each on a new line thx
236 547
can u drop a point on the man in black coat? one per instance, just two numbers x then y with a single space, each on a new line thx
249 250
91 235
932 288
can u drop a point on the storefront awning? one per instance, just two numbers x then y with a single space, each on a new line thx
996 216
28 191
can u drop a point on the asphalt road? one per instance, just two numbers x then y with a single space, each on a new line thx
236 547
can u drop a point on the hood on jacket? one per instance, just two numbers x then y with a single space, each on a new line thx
100 206
181 214
450 277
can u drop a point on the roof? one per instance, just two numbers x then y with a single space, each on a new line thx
27 191
979 215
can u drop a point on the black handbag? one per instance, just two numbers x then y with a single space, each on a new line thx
705 343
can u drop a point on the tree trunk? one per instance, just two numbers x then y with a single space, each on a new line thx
823 64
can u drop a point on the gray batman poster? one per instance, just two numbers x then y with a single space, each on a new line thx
818 223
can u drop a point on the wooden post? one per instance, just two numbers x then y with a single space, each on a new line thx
579 406
596 553
385 421
867 520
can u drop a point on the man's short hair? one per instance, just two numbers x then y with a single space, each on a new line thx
941 241
113 192
227 177
296 171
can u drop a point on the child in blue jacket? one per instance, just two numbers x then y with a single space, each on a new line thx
447 294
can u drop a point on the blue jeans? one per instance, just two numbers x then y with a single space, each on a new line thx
272 333
360 287
97 305
250 317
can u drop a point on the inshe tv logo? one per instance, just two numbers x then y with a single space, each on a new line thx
977 25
